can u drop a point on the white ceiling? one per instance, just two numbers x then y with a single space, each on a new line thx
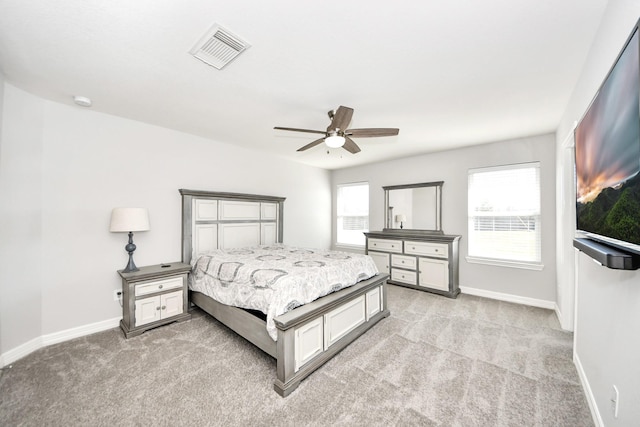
447 73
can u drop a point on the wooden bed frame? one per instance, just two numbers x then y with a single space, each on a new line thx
308 336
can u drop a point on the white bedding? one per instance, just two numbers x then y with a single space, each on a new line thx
276 279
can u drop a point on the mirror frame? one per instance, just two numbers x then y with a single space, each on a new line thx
437 184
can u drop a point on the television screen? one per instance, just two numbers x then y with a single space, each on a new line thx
607 150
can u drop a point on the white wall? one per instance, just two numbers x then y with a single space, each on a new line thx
20 219
69 166
451 167
1 106
607 349
1 194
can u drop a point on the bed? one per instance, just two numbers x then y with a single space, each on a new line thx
218 225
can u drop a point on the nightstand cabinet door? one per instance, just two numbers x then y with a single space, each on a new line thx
170 304
147 310
157 308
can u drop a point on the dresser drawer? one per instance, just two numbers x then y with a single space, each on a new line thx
429 249
385 245
404 276
403 261
158 286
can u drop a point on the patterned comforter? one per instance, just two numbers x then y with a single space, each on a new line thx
276 279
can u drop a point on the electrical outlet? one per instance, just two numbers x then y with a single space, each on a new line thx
117 294
615 400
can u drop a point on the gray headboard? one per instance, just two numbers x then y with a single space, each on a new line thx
216 220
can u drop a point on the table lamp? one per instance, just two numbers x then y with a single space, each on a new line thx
128 220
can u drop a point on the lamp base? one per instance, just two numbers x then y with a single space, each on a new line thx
130 248
131 266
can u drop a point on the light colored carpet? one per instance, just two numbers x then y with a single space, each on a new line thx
434 362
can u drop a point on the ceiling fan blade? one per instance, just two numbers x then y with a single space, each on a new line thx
350 146
371 132
341 119
311 144
301 130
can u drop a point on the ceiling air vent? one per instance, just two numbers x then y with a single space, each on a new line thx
218 47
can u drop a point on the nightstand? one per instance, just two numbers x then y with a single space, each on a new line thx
153 296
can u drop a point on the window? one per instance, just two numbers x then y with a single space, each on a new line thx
504 215
353 213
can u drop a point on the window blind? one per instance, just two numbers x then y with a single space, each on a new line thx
504 213
352 213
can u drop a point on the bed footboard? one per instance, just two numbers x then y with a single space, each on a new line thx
312 334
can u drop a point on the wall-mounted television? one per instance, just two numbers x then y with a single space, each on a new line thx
607 155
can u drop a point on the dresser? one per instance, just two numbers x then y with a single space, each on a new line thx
424 261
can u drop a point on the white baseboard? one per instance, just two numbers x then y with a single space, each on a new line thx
21 351
566 324
556 308
551 305
80 331
57 337
591 400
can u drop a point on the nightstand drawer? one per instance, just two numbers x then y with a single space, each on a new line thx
385 245
430 249
403 261
404 276
158 286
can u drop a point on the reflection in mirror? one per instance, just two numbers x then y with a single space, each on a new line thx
414 206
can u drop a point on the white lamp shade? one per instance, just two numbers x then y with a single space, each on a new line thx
129 219
401 218
334 141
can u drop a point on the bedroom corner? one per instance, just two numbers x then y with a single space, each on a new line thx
64 168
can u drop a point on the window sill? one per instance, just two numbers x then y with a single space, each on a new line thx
538 266
348 247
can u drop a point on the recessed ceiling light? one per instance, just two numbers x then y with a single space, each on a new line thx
82 101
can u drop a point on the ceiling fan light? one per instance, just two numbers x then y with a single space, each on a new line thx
334 141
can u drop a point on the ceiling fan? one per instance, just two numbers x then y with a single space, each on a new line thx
337 135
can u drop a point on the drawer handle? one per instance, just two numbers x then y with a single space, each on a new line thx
403 261
159 286
158 308
413 247
164 307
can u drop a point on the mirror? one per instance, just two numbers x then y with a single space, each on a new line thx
413 207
